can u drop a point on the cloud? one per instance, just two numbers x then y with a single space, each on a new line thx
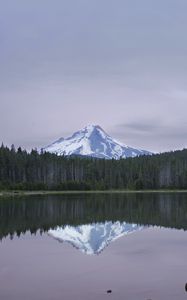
144 127
153 135
76 62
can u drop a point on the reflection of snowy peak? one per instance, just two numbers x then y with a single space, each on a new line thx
93 238
95 142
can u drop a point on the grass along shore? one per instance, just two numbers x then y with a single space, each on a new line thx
29 193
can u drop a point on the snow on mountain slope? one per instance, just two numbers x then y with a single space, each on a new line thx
93 238
95 142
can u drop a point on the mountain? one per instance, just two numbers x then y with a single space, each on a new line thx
93 238
93 141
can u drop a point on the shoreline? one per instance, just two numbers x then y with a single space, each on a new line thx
30 193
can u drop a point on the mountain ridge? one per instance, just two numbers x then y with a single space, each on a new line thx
93 141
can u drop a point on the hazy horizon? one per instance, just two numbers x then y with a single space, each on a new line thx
120 64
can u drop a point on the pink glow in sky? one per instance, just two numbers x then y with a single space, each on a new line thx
120 64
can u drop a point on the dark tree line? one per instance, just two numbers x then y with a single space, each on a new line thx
33 171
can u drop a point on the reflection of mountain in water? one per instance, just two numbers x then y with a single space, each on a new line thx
33 213
93 238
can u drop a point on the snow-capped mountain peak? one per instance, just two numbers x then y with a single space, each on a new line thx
93 238
93 141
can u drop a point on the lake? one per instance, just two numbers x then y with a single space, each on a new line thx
79 246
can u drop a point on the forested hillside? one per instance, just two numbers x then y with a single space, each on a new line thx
33 171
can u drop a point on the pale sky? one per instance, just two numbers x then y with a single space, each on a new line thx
121 64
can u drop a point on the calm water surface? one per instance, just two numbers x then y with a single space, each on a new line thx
80 246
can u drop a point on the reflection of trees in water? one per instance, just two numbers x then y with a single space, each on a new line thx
33 213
